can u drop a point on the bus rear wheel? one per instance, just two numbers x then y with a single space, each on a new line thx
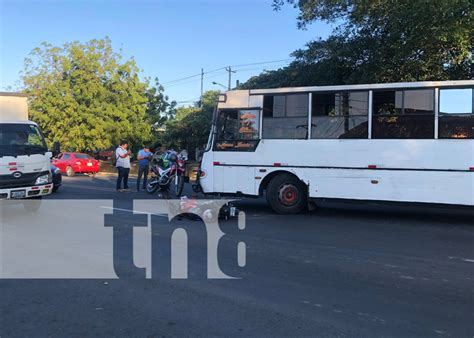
286 194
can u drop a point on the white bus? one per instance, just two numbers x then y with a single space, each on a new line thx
405 142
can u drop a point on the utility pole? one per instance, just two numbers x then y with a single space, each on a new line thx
202 86
230 76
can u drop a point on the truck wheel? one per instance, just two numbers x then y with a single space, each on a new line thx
69 171
286 194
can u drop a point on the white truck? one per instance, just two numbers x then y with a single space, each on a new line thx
25 160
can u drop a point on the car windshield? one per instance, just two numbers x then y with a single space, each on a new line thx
21 139
83 156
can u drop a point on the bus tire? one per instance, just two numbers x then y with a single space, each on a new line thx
286 194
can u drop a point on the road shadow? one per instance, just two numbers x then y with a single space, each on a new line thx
373 210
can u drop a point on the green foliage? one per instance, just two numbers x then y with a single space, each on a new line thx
380 41
190 128
87 98
159 109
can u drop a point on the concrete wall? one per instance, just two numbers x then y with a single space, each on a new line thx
13 106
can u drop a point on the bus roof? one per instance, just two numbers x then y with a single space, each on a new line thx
395 85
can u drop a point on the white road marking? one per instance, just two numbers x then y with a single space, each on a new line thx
469 260
391 266
365 315
407 277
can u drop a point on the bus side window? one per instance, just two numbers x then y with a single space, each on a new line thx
285 116
340 115
456 113
403 114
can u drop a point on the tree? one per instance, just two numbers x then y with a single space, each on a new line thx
190 128
84 96
159 109
380 41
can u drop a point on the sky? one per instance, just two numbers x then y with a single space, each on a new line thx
168 39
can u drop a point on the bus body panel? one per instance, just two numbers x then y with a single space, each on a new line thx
405 170
357 154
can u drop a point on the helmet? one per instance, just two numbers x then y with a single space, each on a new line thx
173 157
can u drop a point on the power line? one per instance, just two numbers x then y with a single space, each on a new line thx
262 63
191 76
223 68
196 80
183 78
256 68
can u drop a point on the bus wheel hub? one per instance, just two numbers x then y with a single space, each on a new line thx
288 194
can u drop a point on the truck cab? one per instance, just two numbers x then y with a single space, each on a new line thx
24 157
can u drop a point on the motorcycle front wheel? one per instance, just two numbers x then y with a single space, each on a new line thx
152 185
178 186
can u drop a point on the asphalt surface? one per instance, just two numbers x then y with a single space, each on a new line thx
340 270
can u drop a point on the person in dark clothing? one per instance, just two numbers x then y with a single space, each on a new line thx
144 156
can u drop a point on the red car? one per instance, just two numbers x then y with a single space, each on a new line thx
72 163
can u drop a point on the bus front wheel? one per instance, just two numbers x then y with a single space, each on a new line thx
286 194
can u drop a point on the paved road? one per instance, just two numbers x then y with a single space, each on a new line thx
341 270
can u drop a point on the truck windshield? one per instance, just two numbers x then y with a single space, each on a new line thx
21 139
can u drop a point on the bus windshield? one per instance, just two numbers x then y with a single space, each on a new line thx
237 129
21 139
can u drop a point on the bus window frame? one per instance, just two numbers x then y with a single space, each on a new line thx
438 108
403 90
216 132
369 112
307 116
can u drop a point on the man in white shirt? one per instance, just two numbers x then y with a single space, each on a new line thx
122 155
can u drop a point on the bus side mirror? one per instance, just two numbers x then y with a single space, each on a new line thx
56 149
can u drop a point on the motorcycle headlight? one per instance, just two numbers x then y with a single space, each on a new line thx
43 179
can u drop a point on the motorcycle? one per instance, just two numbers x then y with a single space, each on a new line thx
169 173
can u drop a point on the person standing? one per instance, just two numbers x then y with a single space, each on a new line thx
122 155
143 157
